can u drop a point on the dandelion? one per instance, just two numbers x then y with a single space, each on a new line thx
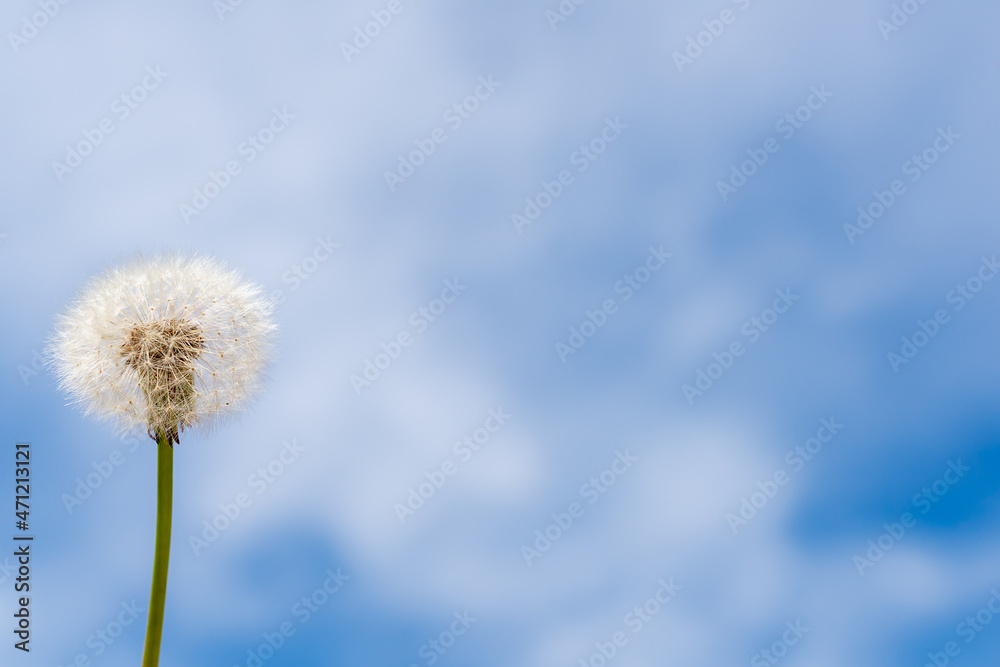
163 345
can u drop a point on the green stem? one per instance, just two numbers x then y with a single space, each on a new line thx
161 556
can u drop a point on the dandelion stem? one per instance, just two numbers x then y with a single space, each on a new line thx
161 556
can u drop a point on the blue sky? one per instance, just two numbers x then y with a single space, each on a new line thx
288 135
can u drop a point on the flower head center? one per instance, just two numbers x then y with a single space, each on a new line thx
162 354
167 345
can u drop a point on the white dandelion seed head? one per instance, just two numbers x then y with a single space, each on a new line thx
164 344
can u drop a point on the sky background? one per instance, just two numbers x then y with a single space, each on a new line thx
672 515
